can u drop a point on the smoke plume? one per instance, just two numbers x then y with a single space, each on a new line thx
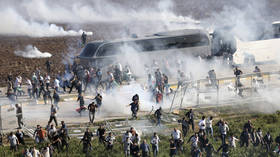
32 52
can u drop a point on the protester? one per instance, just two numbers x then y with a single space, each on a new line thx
101 134
19 116
158 116
190 116
126 145
53 115
110 141
185 126
223 130
20 136
145 149
202 124
155 144
209 127
13 142
92 109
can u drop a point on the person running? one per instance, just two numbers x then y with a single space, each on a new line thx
91 109
101 134
225 149
98 99
87 141
53 115
202 124
134 109
245 138
185 126
155 144
19 116
223 131
209 149
46 96
158 116
56 99
82 103
110 141
232 141
176 135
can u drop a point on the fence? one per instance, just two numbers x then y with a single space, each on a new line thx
218 94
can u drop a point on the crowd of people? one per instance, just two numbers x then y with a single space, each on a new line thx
198 137
93 79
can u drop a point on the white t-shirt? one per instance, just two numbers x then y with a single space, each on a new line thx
155 140
46 152
176 134
232 141
56 83
29 84
13 140
48 79
35 153
202 124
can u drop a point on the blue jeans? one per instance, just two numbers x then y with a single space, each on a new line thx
158 121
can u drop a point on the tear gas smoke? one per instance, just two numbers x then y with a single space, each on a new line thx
12 23
34 21
243 20
32 52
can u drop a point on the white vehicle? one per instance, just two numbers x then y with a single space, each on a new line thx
261 51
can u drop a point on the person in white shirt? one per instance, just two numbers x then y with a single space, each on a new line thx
223 130
202 124
56 85
29 88
232 141
35 152
209 127
48 81
176 135
155 144
13 141
110 141
46 152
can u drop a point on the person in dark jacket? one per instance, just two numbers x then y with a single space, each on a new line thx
158 116
135 150
225 149
190 116
92 109
268 141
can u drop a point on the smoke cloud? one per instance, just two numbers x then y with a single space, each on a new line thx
35 21
243 19
12 23
32 52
